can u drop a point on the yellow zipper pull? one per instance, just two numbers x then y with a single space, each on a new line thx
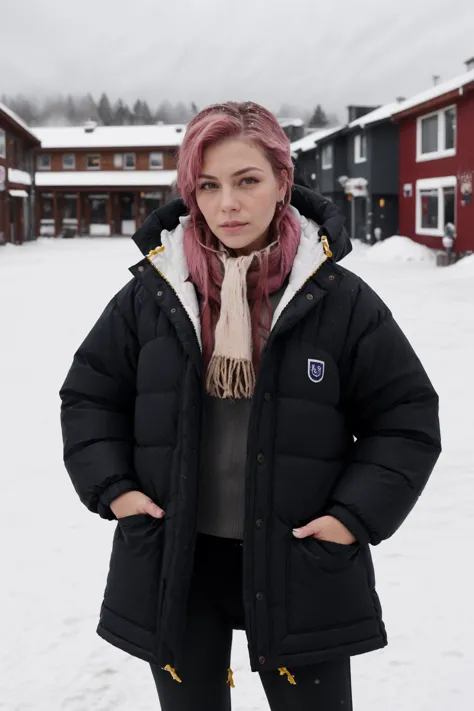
172 671
327 250
291 678
155 251
230 679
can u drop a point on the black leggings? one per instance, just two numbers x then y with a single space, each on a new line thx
215 610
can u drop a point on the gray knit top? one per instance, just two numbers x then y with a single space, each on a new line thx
221 503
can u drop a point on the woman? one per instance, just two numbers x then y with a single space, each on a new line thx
254 418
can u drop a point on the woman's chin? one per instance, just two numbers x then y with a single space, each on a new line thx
241 243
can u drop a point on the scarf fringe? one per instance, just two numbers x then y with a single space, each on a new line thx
230 378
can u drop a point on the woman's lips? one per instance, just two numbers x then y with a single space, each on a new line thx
233 227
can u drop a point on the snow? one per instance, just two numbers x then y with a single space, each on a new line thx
399 249
154 136
285 122
18 193
309 142
436 91
14 117
19 177
381 114
110 178
55 553
465 267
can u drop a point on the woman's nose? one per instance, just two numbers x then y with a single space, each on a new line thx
229 200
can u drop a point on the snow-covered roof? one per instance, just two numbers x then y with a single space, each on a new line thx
312 139
110 178
436 91
19 177
14 117
68 137
383 112
284 122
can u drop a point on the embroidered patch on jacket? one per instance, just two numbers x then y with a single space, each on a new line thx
315 370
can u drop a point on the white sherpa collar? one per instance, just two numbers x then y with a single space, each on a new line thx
169 260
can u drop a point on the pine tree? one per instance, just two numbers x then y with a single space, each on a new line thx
147 114
104 109
319 118
71 112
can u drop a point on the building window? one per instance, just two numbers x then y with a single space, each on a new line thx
69 161
98 211
327 156
435 205
93 162
3 144
118 160
450 129
360 148
156 161
44 161
129 161
46 206
436 135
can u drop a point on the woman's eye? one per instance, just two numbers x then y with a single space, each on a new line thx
249 181
208 186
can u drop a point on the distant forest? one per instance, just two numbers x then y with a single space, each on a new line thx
71 110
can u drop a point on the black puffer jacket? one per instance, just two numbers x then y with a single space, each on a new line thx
344 421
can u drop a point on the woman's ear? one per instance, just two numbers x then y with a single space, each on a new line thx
282 184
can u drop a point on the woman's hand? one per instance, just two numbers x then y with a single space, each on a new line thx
326 528
135 502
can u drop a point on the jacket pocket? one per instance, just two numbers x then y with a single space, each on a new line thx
134 572
328 586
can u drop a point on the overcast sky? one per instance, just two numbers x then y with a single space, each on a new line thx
300 52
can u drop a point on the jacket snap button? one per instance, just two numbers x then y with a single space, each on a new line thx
331 277
173 311
310 297
159 293
261 660
259 596
260 458
267 397
141 269
259 523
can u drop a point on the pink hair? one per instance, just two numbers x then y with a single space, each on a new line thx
256 124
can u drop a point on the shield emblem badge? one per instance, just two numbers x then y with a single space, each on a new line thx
315 370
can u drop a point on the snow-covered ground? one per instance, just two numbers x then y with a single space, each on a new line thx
54 553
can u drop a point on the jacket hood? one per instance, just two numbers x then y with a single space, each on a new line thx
310 204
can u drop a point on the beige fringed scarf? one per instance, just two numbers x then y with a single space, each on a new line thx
231 373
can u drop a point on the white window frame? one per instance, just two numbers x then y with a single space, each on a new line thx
358 157
43 156
326 164
449 181
93 155
157 167
3 143
129 167
442 151
73 155
118 160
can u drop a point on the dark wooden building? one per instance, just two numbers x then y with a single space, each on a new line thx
372 169
103 180
17 195
356 167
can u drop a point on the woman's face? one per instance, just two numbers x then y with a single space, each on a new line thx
238 193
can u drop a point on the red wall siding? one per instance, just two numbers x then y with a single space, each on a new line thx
462 162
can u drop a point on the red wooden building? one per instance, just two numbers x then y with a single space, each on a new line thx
17 144
103 180
436 162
